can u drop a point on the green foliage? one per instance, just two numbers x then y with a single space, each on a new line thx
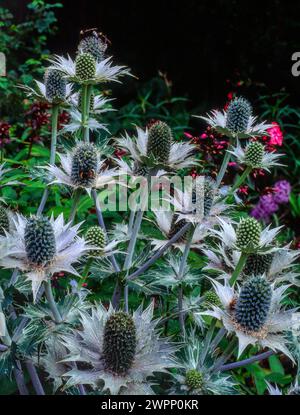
24 45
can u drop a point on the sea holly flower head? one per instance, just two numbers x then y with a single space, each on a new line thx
39 247
254 314
255 156
93 44
237 120
154 148
82 168
116 352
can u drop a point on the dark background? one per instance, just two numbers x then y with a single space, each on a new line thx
198 44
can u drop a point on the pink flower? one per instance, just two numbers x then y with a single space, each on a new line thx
276 135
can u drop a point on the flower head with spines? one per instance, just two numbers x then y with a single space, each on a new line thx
94 45
82 168
55 86
85 67
39 247
254 313
237 120
121 351
239 112
258 264
155 151
256 156
253 305
248 235
97 238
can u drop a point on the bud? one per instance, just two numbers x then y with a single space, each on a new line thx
39 239
85 66
55 85
248 235
159 142
119 343
96 237
238 115
194 379
84 165
253 304
254 154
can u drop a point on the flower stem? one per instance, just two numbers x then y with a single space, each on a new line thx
225 356
240 180
86 270
76 199
224 165
248 361
54 120
239 268
38 387
181 274
51 301
19 376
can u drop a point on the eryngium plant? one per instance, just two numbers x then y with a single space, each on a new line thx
202 273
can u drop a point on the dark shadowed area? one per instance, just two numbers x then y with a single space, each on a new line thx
198 44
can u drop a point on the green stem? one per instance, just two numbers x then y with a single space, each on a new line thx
239 268
86 270
224 165
76 199
225 356
86 94
240 180
51 301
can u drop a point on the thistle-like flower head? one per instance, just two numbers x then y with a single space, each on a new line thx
39 247
122 351
97 238
82 168
248 235
85 67
55 86
237 121
94 45
155 149
255 314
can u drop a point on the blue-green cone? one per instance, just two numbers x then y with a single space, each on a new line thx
248 235
39 239
84 165
119 343
253 304
55 85
159 142
93 45
257 264
85 66
254 154
239 112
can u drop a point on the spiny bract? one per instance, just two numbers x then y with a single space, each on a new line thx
84 165
119 344
85 66
239 112
248 234
96 237
55 85
39 240
159 142
254 154
93 45
257 264
253 304
194 379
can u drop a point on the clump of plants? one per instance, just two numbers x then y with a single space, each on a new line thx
190 287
